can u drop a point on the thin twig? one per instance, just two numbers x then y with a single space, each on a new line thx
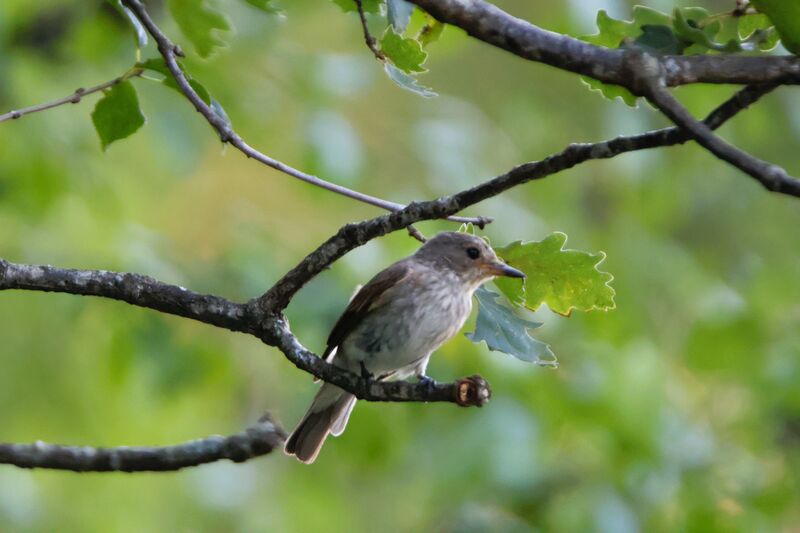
368 38
73 98
417 234
257 440
169 51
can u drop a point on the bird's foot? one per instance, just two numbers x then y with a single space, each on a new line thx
428 382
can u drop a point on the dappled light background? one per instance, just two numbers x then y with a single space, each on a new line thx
680 410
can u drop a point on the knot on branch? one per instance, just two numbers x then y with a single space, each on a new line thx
645 71
259 439
482 221
775 177
472 391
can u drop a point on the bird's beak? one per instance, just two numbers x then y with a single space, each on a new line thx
502 269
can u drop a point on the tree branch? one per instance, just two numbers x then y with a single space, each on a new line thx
472 391
170 52
257 440
494 26
368 38
772 177
353 235
261 317
73 98
135 289
146 292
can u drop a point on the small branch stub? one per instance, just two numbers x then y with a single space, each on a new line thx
473 391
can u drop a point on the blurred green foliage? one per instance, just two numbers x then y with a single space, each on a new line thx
680 410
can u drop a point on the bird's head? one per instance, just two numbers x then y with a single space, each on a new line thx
467 255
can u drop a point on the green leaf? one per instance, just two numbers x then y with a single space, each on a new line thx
689 31
611 34
504 331
158 65
117 114
749 24
406 53
398 13
407 82
698 33
201 23
219 111
562 279
264 5
610 91
647 15
785 14
658 39
430 32
370 6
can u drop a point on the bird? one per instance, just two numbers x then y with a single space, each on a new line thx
395 322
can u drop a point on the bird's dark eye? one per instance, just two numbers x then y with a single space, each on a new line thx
473 253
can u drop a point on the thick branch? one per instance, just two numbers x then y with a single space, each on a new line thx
135 289
279 335
144 291
257 440
492 25
170 52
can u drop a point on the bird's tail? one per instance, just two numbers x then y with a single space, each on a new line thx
328 413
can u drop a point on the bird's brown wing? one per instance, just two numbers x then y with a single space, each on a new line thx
371 296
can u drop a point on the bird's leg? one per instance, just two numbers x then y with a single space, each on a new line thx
366 378
423 378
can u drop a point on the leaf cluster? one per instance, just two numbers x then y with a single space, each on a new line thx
694 30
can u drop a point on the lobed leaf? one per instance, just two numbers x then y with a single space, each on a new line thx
407 82
785 15
117 114
201 23
659 39
430 32
398 13
406 53
562 279
690 30
502 330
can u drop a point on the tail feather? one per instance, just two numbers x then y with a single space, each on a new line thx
340 422
328 414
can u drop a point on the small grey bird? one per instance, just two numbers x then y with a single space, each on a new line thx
394 323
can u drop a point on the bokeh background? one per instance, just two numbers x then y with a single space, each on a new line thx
678 411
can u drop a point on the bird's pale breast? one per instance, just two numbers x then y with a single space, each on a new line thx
424 312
